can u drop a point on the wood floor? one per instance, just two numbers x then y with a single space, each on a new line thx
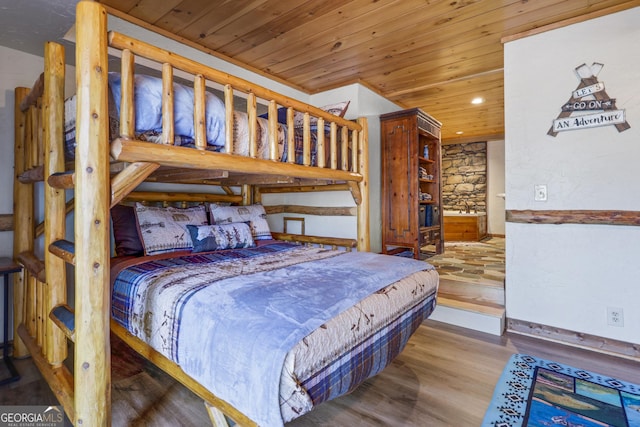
445 377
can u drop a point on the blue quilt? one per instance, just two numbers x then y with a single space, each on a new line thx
230 320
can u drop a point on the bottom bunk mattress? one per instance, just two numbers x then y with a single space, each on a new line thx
276 329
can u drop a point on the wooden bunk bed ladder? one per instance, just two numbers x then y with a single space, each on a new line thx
40 291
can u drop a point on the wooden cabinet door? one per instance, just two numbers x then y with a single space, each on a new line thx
399 186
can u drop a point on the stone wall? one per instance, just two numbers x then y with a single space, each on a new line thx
464 177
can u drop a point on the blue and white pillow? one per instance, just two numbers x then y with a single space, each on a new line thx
255 215
164 229
217 237
148 108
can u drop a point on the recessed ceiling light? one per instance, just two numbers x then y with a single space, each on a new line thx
477 100
459 132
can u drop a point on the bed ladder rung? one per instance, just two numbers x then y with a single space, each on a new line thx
33 265
63 316
31 176
65 250
62 180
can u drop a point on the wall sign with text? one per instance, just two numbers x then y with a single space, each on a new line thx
589 105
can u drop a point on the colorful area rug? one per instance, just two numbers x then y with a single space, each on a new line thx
538 392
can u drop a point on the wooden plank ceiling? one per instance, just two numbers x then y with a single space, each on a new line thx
434 54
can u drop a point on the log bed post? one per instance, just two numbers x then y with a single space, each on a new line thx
364 205
333 145
92 364
321 153
344 149
252 120
228 118
273 130
127 108
167 105
199 121
291 149
23 227
247 194
54 199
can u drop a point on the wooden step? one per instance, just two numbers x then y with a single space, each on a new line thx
460 303
62 180
63 316
481 292
469 313
65 250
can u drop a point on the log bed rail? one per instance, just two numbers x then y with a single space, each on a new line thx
42 319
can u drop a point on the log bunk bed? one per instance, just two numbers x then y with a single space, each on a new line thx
106 172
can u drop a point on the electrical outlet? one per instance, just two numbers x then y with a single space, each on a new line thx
540 192
615 316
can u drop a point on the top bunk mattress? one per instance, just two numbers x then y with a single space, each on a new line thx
148 121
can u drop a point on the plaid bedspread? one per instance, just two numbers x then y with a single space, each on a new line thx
170 303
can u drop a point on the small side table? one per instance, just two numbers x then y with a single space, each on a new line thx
7 266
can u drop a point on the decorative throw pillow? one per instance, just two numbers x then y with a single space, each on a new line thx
254 214
338 109
148 95
165 229
125 231
241 136
282 115
217 237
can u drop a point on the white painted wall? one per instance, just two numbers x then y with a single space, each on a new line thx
567 275
495 187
